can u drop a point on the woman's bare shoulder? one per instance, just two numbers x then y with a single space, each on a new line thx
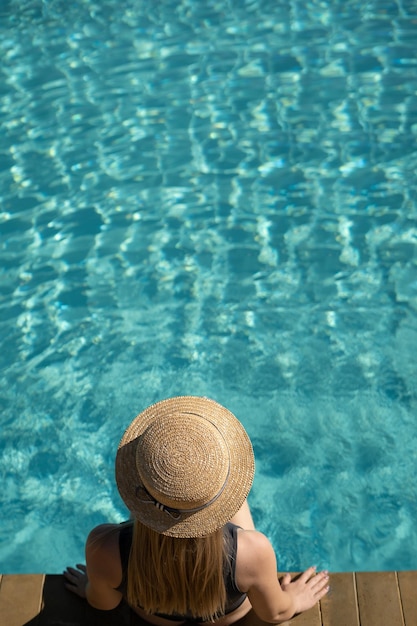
103 532
253 540
102 552
103 542
255 556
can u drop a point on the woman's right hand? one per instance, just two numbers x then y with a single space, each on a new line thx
307 589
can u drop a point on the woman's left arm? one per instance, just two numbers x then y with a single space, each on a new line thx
97 581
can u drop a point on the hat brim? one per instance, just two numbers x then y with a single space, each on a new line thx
207 520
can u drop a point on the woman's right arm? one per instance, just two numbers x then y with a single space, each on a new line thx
256 573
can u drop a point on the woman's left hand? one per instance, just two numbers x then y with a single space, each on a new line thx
76 579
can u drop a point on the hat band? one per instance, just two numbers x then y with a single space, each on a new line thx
176 513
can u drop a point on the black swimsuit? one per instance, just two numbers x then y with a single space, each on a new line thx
234 597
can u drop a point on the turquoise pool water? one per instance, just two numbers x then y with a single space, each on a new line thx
213 198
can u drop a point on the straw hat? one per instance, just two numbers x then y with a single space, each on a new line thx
185 466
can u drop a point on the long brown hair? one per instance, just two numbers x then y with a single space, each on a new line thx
174 575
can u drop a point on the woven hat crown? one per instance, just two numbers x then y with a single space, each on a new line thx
183 462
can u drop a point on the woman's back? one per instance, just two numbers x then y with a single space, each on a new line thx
233 596
108 550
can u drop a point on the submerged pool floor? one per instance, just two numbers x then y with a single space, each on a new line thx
217 199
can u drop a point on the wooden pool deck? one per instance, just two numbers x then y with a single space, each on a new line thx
355 599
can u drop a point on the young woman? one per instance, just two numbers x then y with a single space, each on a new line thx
184 468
